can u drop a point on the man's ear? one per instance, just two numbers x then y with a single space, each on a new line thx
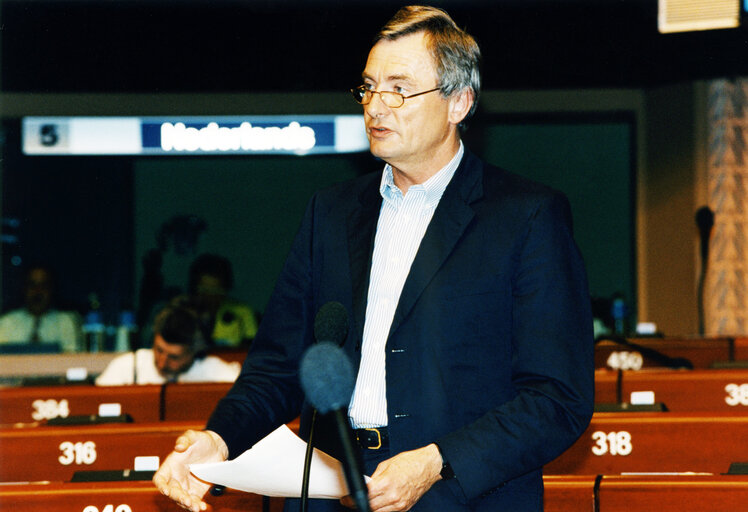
459 105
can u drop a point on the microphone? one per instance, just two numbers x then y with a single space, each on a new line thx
331 323
327 379
705 222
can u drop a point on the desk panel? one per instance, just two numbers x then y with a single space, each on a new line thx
193 401
682 493
115 497
29 404
55 453
569 493
692 390
606 382
702 352
655 442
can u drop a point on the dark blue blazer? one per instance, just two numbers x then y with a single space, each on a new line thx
490 353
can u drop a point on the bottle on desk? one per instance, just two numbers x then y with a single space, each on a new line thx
619 312
94 331
125 335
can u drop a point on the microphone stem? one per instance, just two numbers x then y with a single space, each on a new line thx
356 484
308 464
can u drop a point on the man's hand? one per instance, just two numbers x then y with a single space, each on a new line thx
399 482
174 479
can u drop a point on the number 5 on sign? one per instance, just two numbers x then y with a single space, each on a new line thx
614 443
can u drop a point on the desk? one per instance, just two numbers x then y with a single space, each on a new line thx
692 390
682 493
28 404
569 493
655 442
55 453
702 352
184 401
115 497
33 365
606 386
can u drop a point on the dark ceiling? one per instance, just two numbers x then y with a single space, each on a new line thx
243 45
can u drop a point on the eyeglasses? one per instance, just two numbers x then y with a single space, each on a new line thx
363 95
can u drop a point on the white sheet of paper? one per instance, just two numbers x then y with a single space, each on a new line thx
275 467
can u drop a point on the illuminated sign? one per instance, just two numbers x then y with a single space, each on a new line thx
298 135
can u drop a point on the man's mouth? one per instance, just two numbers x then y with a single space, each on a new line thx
378 131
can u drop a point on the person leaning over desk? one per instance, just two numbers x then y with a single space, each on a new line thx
471 326
178 354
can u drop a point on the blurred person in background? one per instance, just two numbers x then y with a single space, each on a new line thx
38 321
178 354
210 280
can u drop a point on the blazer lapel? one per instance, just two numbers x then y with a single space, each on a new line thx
361 227
452 216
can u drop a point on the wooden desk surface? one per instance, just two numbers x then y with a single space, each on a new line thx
115 497
55 453
31 365
681 493
569 493
699 390
38 403
656 442
606 382
563 494
185 401
692 390
702 352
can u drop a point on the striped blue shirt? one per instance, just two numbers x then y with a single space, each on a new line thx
403 220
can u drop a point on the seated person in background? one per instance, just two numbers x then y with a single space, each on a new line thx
233 322
38 322
178 355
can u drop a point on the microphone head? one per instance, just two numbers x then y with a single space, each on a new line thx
331 323
704 219
326 377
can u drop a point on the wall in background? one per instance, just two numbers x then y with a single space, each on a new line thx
667 146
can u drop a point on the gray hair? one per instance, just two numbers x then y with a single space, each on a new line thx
454 51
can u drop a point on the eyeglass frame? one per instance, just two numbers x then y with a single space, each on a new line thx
355 92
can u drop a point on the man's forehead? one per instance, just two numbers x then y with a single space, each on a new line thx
405 58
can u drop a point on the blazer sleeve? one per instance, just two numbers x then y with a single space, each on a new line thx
552 366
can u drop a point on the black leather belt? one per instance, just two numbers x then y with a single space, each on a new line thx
372 438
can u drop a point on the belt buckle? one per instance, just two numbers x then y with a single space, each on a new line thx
379 439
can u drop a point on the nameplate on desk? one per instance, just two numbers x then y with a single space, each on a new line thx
110 410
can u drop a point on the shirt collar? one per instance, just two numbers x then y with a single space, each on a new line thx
434 186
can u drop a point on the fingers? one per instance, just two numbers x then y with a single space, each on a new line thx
173 478
185 441
174 490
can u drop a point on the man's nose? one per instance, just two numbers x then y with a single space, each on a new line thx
376 107
161 362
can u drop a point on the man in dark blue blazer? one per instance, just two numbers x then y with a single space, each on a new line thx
471 330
